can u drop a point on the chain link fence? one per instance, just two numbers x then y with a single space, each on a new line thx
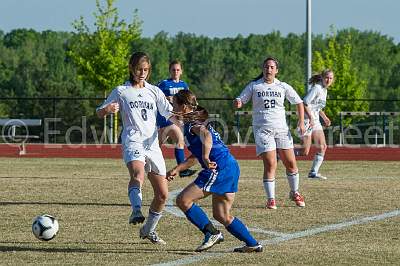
74 120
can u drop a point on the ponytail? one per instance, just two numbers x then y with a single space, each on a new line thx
199 115
315 79
318 78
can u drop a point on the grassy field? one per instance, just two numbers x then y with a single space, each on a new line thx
353 218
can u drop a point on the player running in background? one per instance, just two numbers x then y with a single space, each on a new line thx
167 129
270 130
139 103
315 100
219 177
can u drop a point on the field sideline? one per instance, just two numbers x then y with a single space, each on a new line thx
351 218
241 152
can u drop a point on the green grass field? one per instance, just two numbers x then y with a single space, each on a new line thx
352 218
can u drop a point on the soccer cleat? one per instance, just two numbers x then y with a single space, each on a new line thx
187 172
297 198
136 217
247 249
152 236
209 241
317 176
271 204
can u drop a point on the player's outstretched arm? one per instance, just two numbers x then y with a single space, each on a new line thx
189 162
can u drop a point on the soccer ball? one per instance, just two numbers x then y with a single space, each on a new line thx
45 227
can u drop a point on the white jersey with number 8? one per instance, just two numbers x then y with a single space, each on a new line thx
138 107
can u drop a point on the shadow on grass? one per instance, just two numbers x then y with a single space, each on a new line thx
259 206
55 177
123 250
27 177
5 203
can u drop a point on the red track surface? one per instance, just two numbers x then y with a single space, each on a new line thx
240 152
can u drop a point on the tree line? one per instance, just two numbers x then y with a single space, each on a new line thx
39 64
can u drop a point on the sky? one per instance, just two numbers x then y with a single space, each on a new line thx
212 18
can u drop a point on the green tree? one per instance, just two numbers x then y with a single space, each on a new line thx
377 58
101 56
348 84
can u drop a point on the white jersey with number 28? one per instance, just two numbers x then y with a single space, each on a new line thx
268 102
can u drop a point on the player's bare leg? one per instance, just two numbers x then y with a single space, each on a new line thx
320 143
160 189
292 174
270 164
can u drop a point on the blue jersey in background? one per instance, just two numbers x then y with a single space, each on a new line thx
170 87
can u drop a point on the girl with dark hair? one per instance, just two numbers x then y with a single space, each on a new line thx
271 132
139 103
315 100
219 177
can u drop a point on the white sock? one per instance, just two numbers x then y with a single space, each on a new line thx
135 197
269 187
151 221
293 179
318 159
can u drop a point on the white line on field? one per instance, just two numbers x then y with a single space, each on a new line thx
287 237
177 212
267 232
332 227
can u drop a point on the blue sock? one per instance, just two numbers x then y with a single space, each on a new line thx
179 155
239 230
197 217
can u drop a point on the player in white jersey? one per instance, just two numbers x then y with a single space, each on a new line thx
270 130
315 100
139 102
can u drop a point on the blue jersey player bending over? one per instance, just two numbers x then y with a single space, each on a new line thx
219 177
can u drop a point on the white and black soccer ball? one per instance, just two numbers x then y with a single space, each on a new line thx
45 227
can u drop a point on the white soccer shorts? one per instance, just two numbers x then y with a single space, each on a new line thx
309 130
271 139
153 158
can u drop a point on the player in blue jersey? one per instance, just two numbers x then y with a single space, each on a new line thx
167 129
139 103
219 177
